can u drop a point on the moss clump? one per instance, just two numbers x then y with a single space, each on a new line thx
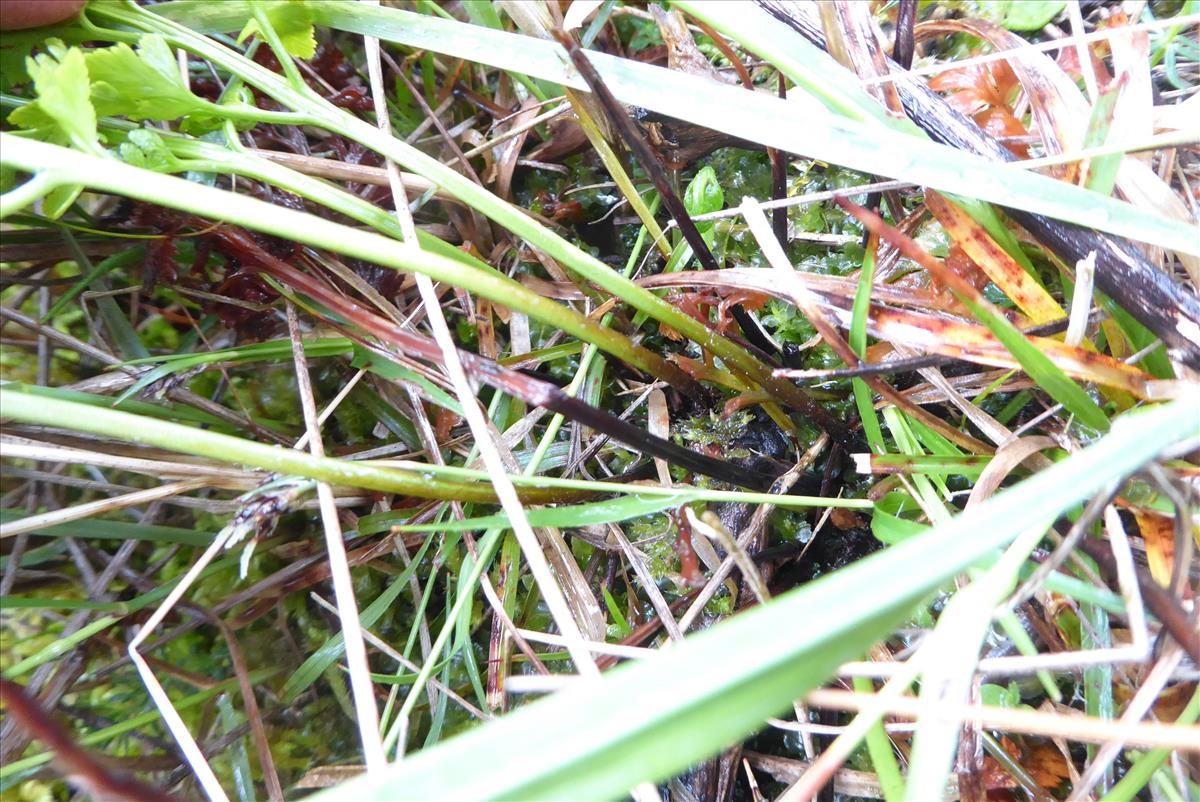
716 430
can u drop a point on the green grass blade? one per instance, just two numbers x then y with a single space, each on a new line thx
570 516
98 529
649 720
1040 368
867 147
1143 767
329 653
19 405
863 398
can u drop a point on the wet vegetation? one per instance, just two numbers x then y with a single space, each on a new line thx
556 400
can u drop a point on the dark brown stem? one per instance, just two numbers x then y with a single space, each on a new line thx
77 765
658 176
779 180
1123 272
1174 620
906 18
253 717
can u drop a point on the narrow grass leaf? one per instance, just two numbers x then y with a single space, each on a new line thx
749 115
650 719
329 652
571 516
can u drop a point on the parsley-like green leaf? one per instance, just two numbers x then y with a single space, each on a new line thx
144 148
15 48
293 24
63 112
145 85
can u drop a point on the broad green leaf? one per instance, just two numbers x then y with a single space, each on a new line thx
62 113
648 720
60 199
888 526
15 48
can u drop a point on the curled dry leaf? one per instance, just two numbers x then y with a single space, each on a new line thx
579 12
985 93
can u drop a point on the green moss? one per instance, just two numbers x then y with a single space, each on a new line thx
713 429
789 526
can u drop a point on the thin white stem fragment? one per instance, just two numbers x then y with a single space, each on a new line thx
361 686
505 490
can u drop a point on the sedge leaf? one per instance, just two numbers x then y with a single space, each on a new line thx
644 721
573 515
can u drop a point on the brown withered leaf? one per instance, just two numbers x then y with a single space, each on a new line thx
995 777
965 267
1046 765
985 92
845 519
1169 703
974 343
1060 118
1158 532
1046 86
1000 267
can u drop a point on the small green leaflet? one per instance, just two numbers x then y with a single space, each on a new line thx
144 148
62 113
704 194
292 23
142 85
60 77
